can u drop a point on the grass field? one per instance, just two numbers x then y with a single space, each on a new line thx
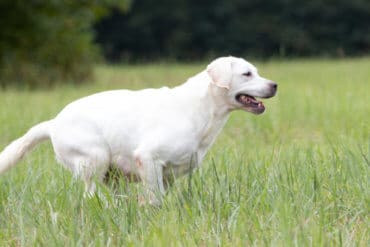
298 175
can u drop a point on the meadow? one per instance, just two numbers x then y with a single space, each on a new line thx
298 175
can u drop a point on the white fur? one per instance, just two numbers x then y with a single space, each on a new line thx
152 134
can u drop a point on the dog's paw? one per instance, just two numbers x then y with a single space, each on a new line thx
149 200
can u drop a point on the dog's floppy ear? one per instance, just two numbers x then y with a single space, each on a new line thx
220 72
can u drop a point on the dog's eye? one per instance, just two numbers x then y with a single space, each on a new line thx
248 74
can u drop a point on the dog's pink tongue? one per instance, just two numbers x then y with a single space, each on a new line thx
255 102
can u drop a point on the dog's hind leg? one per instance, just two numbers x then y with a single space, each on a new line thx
89 168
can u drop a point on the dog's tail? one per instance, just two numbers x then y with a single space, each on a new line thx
15 151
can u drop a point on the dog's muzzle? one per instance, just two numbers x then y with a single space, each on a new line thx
251 104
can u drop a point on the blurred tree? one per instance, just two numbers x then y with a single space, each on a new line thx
186 29
151 28
43 42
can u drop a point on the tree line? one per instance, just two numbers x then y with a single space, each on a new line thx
194 29
43 42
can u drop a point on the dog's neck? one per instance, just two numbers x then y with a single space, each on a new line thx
209 105
210 96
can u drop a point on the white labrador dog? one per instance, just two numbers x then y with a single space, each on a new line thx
152 135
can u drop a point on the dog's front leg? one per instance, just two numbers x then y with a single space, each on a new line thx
151 174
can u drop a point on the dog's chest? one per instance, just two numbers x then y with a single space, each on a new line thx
193 159
209 134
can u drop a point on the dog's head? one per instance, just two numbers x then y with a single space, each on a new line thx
241 82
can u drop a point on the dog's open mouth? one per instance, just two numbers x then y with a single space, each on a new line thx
250 103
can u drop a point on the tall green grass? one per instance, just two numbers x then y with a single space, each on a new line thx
298 175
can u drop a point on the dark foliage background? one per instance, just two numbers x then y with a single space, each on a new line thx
44 42
193 29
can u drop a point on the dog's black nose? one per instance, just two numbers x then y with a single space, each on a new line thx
273 88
